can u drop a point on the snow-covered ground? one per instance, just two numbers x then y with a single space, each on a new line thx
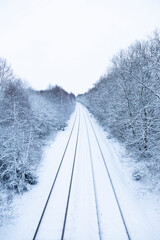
141 211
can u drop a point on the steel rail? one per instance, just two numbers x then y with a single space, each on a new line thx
54 181
110 179
70 185
94 184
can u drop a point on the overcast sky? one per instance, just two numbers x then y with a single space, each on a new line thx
70 42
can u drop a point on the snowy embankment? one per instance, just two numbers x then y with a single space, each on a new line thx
28 207
141 209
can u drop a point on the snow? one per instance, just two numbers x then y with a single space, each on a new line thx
141 211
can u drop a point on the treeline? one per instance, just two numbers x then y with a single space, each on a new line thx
126 101
27 118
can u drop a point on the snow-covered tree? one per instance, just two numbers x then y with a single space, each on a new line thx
126 100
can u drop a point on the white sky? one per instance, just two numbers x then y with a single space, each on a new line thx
70 42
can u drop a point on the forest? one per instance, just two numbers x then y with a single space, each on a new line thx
28 117
126 102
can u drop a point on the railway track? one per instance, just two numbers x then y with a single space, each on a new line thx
108 175
94 185
54 181
83 184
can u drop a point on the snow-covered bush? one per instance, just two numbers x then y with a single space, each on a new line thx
15 136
